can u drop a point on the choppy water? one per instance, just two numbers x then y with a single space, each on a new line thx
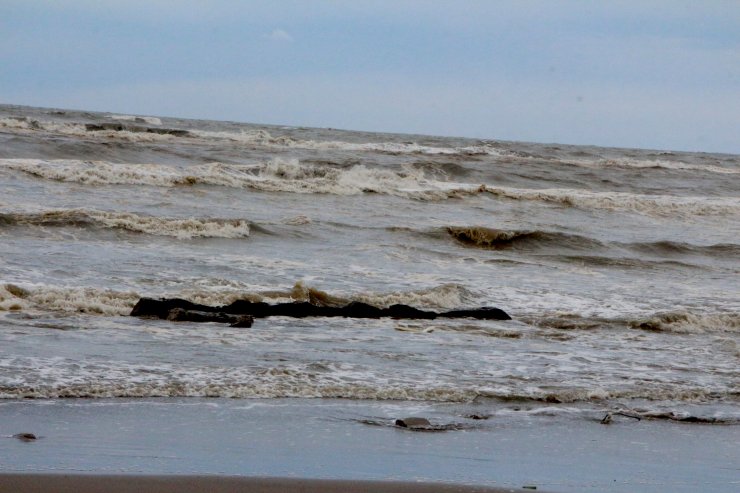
619 267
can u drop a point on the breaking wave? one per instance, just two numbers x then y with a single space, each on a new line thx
163 226
277 175
67 299
289 175
110 302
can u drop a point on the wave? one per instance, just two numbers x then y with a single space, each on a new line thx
67 299
663 205
289 175
163 226
632 163
108 302
500 239
277 175
676 322
127 132
264 138
684 322
491 238
722 250
259 138
151 120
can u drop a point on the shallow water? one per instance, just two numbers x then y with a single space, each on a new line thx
618 266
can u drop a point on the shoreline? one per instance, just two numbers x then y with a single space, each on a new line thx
94 483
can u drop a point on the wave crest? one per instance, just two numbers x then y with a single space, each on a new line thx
483 237
185 228
663 205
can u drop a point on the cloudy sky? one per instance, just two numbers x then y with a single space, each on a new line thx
641 73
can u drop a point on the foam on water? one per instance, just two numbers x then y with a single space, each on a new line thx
55 377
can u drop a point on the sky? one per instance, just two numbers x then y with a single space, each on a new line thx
644 74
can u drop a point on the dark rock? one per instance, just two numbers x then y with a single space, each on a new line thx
413 423
182 315
243 321
405 311
149 307
485 313
358 309
162 308
25 437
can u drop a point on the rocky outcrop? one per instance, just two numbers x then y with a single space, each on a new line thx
179 309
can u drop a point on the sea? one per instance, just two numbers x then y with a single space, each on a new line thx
619 268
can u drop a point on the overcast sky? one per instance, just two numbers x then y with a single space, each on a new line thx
662 75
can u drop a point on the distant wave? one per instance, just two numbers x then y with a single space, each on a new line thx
264 138
628 163
621 201
163 226
260 138
151 120
289 175
126 132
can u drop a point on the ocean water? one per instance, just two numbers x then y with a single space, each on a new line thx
619 268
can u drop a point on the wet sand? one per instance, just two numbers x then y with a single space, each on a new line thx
225 442
66 483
